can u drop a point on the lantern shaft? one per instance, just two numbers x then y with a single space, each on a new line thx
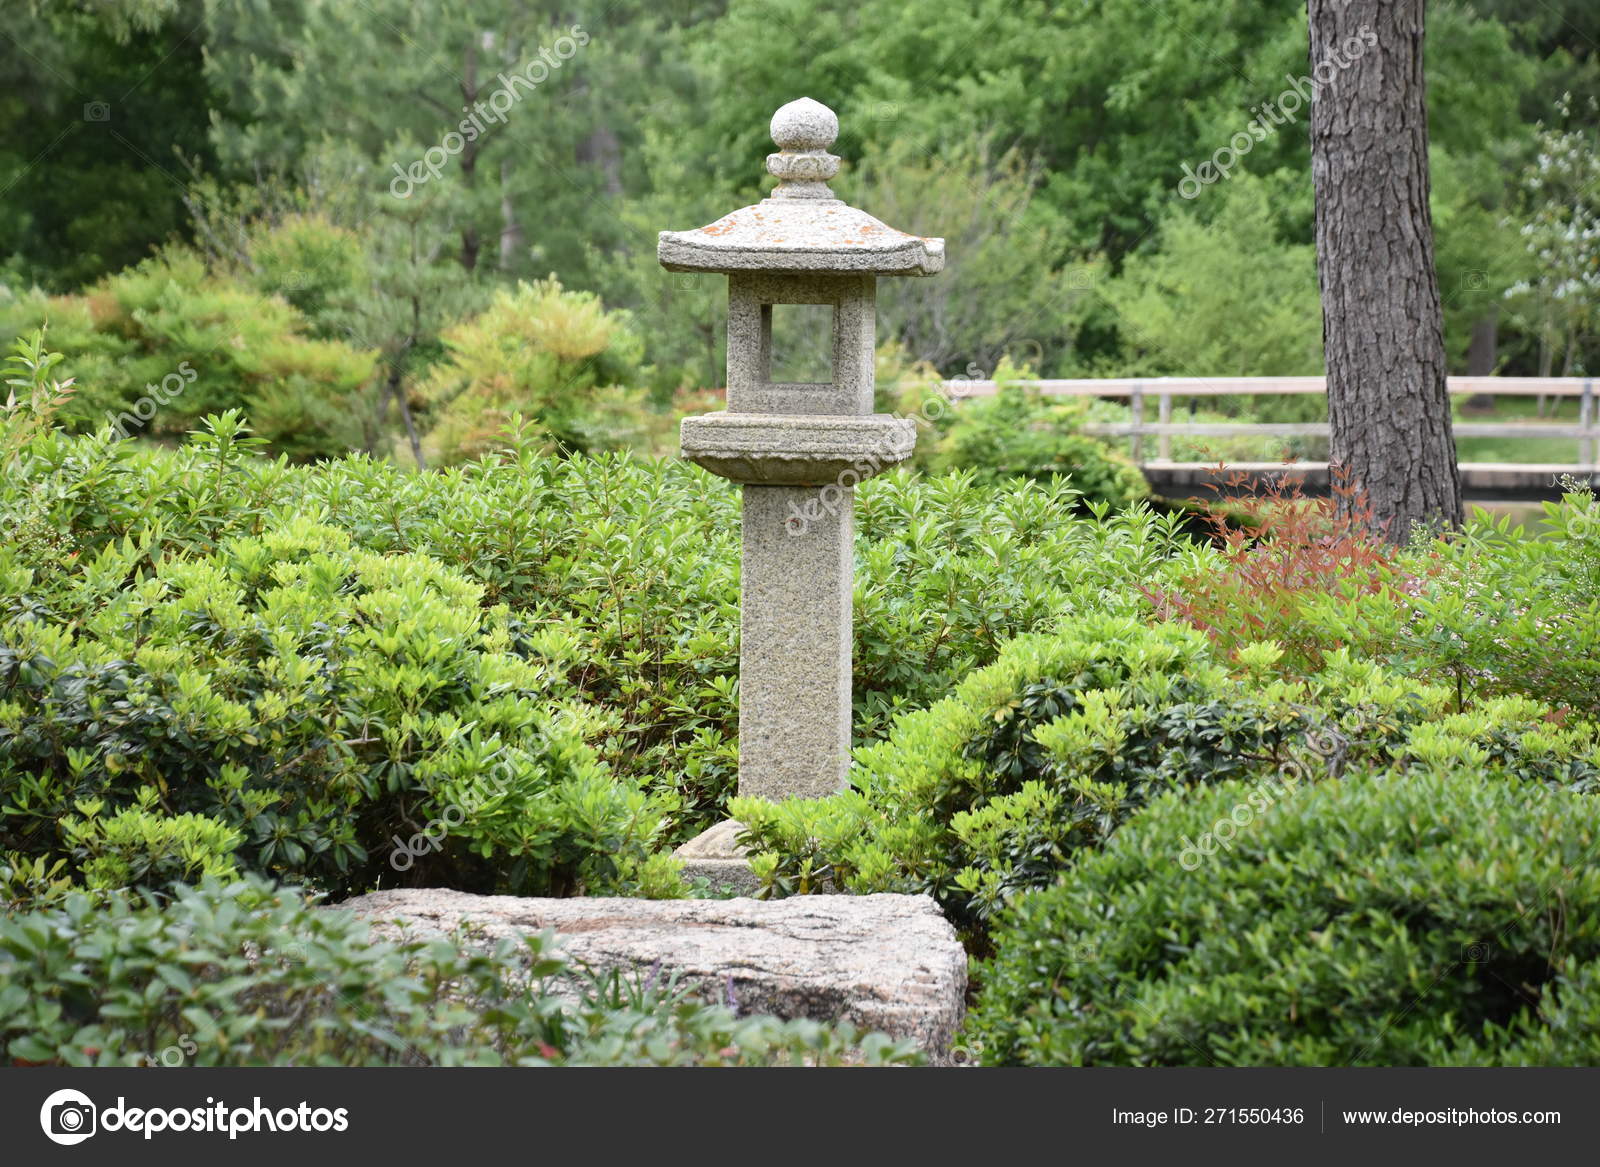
794 646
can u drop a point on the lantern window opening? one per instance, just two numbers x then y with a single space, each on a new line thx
798 343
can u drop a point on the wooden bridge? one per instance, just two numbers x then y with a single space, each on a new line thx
1481 480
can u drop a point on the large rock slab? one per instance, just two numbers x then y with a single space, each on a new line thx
885 962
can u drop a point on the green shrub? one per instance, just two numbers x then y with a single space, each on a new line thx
624 574
1493 611
619 577
161 345
1290 553
1386 919
34 395
1019 432
558 357
322 712
1181 304
1487 611
991 790
997 788
949 570
319 268
247 975
140 847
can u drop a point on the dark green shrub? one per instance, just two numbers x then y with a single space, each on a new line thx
997 788
1386 919
248 975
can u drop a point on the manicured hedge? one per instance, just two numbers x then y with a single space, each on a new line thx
521 671
1384 919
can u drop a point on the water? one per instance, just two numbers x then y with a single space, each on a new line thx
1527 517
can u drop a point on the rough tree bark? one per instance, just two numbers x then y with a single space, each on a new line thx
1382 330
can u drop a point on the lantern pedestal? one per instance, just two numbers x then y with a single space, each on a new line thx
794 642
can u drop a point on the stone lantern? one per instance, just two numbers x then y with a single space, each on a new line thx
798 450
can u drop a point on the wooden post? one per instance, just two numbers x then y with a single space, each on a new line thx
1136 441
1586 419
1164 442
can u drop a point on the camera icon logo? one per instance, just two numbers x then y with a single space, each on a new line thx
97 111
68 1117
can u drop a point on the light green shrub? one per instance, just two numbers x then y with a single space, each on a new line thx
1042 755
346 717
1490 610
162 344
557 357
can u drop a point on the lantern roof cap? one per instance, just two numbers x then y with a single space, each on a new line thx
801 226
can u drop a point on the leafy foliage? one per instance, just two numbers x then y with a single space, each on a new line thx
157 347
1561 235
1490 611
1018 432
325 660
653 116
1290 551
33 395
1225 297
250 975
1386 919
999 787
321 710
556 356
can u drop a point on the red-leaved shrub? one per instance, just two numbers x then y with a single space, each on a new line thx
1290 547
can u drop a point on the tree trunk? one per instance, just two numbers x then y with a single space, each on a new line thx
1382 329
512 240
602 149
470 242
397 383
1483 354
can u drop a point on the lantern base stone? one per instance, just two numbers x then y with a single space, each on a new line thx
715 856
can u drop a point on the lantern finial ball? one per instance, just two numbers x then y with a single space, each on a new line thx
804 125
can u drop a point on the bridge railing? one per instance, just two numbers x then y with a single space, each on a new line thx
1139 391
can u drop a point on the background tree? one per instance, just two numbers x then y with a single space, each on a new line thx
1383 328
1559 191
1019 129
1229 297
97 102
